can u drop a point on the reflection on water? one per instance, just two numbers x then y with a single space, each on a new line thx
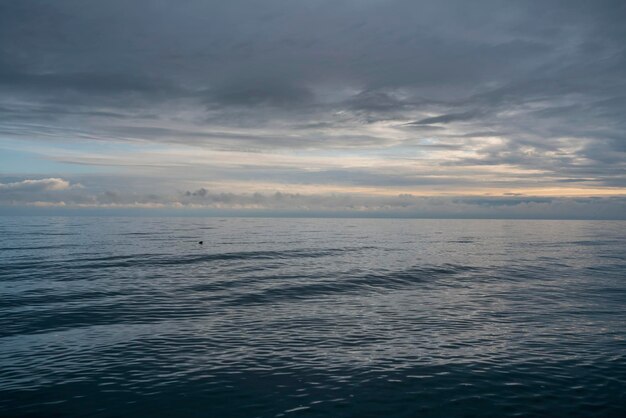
314 317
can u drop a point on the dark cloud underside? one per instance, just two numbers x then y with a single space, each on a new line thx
536 87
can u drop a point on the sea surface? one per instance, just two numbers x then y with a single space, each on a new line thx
114 317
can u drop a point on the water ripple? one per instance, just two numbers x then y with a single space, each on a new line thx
277 318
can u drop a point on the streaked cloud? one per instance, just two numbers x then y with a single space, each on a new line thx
360 98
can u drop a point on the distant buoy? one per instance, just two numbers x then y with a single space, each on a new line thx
200 242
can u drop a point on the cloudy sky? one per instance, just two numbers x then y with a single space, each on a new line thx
394 107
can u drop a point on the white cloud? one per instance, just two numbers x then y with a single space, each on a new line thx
49 184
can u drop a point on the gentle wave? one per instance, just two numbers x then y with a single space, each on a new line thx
113 317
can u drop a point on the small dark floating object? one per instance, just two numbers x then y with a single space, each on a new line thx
200 242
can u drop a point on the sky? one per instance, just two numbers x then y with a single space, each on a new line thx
426 108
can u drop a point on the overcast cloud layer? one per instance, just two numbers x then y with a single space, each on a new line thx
368 105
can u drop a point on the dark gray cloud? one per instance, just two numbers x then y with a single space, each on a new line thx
452 117
547 78
259 92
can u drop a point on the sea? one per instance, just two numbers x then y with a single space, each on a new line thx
296 317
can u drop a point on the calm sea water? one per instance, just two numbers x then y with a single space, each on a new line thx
110 317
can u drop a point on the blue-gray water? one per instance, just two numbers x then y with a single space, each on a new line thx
111 317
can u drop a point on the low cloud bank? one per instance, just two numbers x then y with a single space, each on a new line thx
60 194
